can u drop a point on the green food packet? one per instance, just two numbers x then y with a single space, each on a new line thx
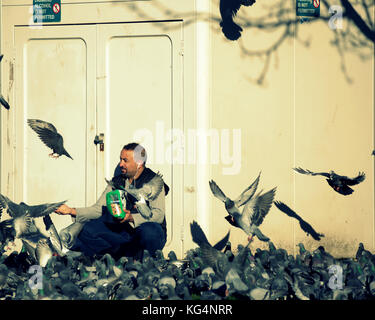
116 202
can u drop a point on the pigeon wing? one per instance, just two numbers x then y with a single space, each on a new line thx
222 243
217 192
46 132
13 209
157 185
54 236
305 226
248 193
209 254
284 208
358 179
44 209
263 204
300 170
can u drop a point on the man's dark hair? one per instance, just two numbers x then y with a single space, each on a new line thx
140 154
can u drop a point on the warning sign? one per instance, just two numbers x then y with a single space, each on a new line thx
308 8
46 11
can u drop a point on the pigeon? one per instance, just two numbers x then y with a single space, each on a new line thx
2 99
338 183
232 206
148 192
50 137
23 214
254 213
210 254
305 226
228 10
69 234
38 248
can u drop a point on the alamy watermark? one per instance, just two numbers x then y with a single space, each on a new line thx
36 280
192 146
336 21
336 280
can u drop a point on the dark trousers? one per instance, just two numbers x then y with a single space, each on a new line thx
105 235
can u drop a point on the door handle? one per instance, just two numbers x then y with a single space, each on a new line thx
99 139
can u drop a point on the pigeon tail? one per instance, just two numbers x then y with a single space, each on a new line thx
67 154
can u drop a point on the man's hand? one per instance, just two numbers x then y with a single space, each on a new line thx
128 217
64 209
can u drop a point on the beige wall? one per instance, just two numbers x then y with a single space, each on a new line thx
307 115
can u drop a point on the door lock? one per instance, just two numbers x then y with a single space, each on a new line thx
99 139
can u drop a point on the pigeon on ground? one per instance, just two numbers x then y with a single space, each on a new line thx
23 214
338 183
69 234
254 213
232 206
38 247
2 99
210 254
228 10
50 137
305 226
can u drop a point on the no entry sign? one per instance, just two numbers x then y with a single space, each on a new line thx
46 11
308 8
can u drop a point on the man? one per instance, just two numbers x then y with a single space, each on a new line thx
102 233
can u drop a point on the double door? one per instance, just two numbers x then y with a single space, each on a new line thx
102 86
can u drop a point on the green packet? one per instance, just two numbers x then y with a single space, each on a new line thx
116 202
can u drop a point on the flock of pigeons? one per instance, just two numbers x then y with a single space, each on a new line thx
206 273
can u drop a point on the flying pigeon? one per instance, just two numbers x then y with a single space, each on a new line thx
338 183
305 226
2 99
23 215
210 254
50 137
232 206
253 215
228 10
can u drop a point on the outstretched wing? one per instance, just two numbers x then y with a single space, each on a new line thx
44 209
248 193
209 254
12 208
261 207
284 208
46 132
358 179
217 192
300 170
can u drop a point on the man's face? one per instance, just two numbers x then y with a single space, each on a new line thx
127 164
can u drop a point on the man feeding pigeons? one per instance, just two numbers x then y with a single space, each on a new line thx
143 224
